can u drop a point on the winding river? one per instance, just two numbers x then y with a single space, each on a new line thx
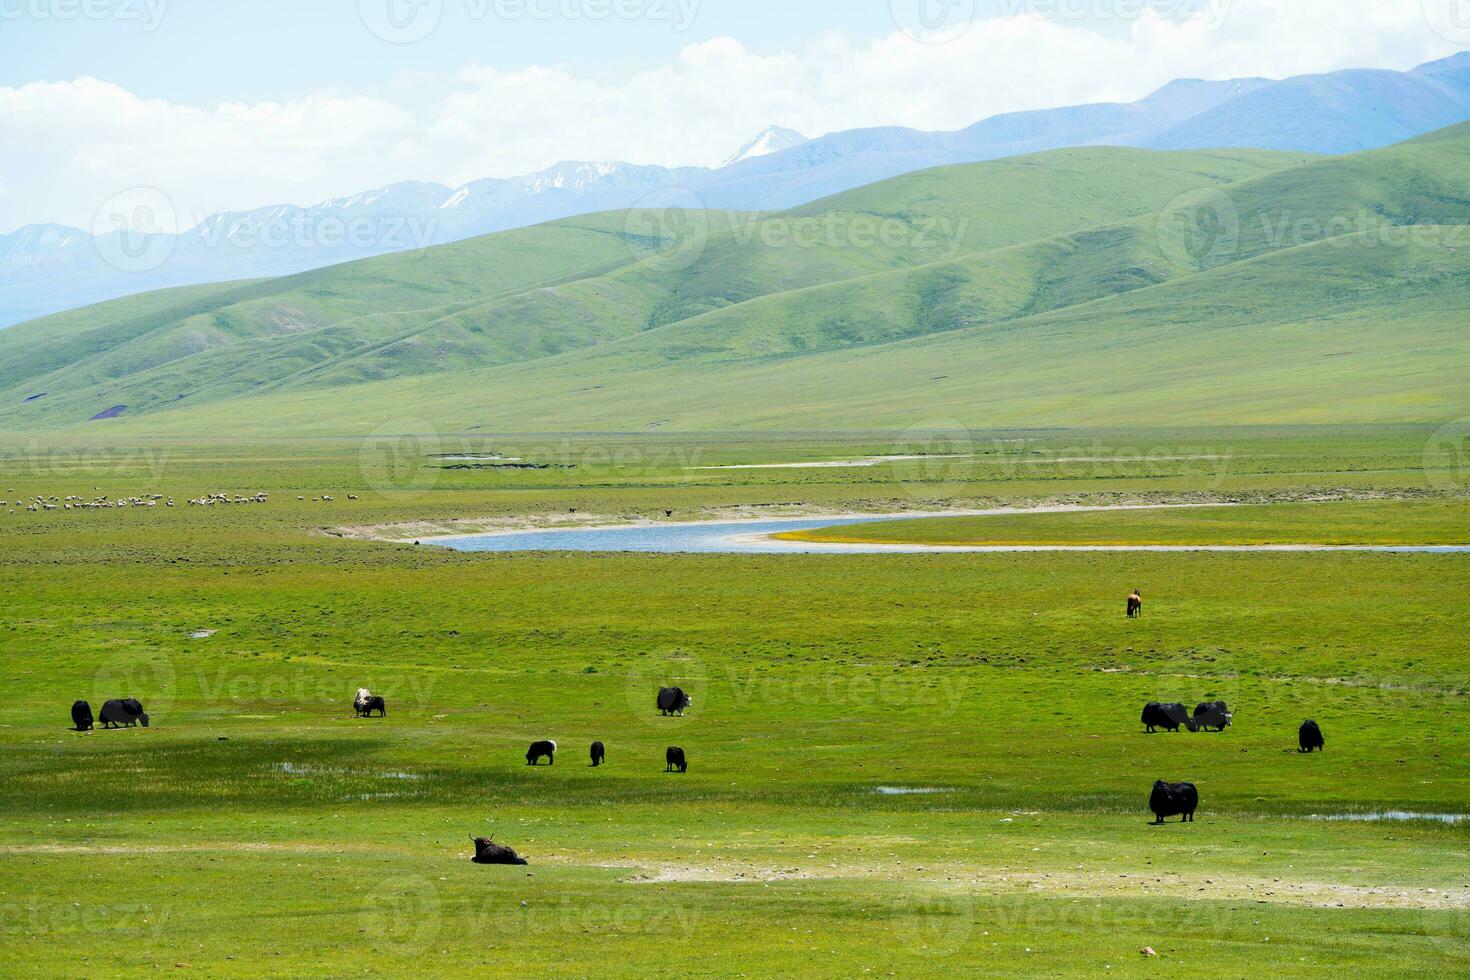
754 537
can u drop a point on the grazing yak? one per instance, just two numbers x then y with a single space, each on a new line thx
673 700
126 712
364 703
599 752
1174 800
674 760
1211 714
489 852
540 750
373 703
1171 716
1309 737
81 716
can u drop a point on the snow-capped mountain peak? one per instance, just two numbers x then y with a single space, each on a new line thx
772 140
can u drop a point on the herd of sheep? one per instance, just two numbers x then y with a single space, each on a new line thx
73 502
105 502
52 502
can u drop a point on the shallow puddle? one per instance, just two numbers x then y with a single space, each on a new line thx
909 790
1390 816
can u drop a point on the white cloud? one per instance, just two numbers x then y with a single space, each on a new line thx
70 146
67 146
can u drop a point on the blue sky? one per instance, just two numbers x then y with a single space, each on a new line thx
227 104
254 49
217 50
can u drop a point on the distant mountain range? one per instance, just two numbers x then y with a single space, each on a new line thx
1070 287
48 268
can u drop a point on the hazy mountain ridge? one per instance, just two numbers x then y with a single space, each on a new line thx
47 268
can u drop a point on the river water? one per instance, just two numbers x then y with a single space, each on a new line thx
754 538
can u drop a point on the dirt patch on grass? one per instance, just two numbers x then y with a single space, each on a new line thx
409 531
1271 891
561 521
239 847
1069 884
1451 689
980 881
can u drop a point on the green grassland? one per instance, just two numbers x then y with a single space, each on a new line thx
900 764
1375 522
257 829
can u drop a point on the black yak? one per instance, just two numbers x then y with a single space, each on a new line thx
1172 716
1309 737
126 712
599 752
674 760
489 852
1174 800
540 750
81 716
1211 714
673 700
364 704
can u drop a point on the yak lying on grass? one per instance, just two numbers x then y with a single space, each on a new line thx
539 751
599 752
1309 737
674 760
1168 716
489 852
81 716
1174 800
673 700
126 712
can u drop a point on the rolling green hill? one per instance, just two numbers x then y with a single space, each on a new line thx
573 284
1071 287
1308 335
